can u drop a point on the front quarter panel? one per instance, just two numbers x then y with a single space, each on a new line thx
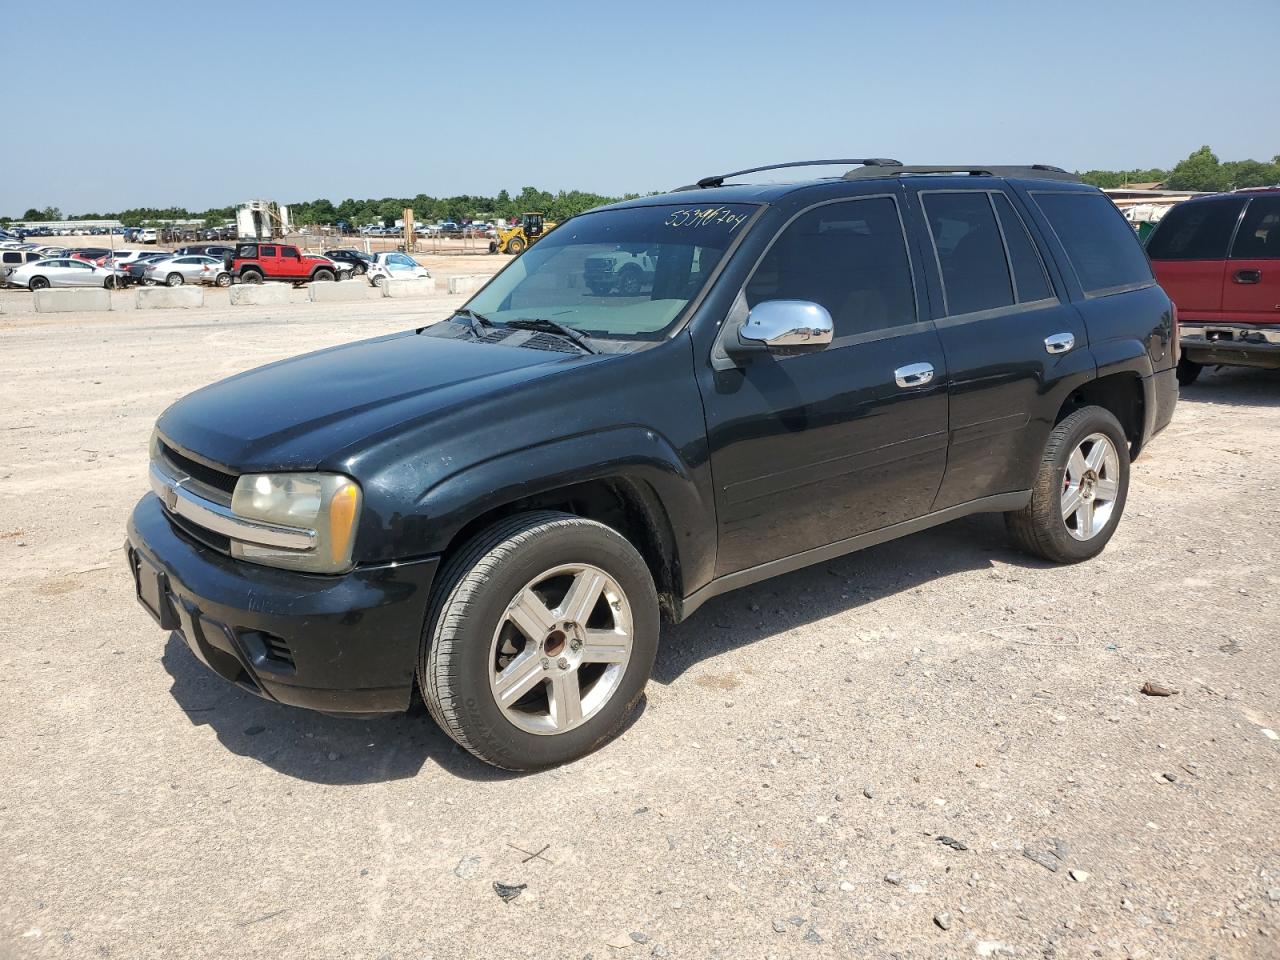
636 417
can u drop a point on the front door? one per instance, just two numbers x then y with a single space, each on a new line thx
810 450
1251 293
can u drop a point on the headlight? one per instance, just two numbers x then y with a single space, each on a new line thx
326 503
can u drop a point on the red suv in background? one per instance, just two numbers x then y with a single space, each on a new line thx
1218 258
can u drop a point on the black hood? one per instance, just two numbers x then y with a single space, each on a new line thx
298 413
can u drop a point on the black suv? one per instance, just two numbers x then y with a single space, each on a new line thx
504 505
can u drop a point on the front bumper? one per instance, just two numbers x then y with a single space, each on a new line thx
346 644
1231 344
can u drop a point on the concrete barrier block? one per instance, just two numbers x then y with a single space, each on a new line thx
260 294
72 301
170 298
396 289
467 283
345 291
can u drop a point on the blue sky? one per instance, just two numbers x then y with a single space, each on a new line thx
211 103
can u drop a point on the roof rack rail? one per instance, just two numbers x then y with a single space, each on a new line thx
719 179
1034 171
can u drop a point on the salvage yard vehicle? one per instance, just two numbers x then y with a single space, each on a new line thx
1218 257
11 260
136 270
499 509
626 271
359 260
256 262
175 271
395 266
518 237
63 272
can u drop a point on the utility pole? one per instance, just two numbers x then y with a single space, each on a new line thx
408 230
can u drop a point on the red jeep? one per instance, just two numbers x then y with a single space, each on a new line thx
1218 258
255 262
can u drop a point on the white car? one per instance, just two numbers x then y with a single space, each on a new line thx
148 235
122 258
62 273
175 271
11 260
396 266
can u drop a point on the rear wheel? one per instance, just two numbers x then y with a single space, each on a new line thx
540 638
38 283
250 276
1079 493
174 280
360 270
1188 371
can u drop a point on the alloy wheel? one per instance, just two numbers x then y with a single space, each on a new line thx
561 649
1090 486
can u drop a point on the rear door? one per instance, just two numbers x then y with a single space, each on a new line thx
1251 293
1013 343
269 257
1189 253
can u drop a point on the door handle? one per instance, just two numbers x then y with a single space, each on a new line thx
1247 276
913 374
1059 342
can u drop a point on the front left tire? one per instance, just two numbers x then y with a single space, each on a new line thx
540 638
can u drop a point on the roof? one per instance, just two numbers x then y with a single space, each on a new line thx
711 190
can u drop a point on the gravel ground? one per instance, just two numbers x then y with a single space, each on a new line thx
804 747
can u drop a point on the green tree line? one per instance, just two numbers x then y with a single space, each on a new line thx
426 209
1202 170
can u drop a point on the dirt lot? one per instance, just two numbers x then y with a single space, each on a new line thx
804 745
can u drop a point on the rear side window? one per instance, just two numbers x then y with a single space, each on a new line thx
851 257
13 258
1259 236
1100 244
1029 277
975 274
269 251
1196 231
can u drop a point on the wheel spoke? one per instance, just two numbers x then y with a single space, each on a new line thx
1097 455
1071 501
581 599
1084 519
605 646
566 700
518 678
531 616
1107 490
1076 466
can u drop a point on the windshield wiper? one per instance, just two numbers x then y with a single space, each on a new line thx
550 326
478 320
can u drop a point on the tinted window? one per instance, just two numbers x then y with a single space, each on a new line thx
1028 270
1259 236
975 274
268 251
1100 244
850 257
13 258
1195 231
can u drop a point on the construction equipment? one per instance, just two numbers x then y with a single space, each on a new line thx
262 220
516 239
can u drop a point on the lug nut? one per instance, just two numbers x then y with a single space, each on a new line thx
575 644
563 663
546 664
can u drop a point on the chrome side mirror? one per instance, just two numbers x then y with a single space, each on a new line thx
785 328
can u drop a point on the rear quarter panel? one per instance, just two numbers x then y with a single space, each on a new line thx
1194 285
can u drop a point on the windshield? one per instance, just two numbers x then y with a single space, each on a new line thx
617 273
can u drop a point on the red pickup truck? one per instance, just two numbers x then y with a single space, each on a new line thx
1218 258
255 262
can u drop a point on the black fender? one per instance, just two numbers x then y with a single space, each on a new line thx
631 454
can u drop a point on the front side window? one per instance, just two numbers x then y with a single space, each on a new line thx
1196 231
850 257
625 273
1259 236
1101 245
975 274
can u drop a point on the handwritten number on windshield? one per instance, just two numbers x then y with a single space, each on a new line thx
705 217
